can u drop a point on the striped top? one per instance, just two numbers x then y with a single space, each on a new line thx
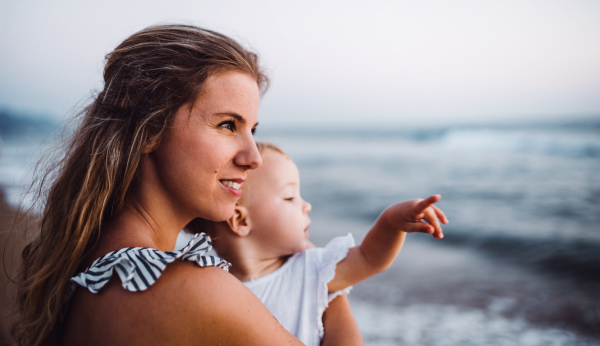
140 267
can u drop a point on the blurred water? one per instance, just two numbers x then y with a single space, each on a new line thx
18 156
434 325
520 261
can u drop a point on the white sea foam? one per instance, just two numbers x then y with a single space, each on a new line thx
438 325
538 141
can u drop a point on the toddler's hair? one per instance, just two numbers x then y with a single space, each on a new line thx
198 225
263 147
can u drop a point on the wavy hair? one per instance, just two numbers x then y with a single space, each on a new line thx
147 78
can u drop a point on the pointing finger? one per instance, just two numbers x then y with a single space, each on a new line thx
440 214
424 204
431 218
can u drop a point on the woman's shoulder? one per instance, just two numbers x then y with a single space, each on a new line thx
187 305
133 285
169 311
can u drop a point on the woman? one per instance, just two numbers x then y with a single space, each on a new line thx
167 140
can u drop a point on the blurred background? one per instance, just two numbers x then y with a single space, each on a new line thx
495 105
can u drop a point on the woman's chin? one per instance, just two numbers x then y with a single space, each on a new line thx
218 215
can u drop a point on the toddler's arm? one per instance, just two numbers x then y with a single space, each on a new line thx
383 242
339 324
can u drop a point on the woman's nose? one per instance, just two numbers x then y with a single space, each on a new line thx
248 156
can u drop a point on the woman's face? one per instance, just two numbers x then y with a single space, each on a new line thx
201 167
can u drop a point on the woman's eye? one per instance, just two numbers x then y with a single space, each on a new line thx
253 131
228 125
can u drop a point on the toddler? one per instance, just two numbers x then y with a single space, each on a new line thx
266 241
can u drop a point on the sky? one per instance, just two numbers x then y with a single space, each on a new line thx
333 62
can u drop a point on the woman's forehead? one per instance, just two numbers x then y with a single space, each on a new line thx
232 92
234 87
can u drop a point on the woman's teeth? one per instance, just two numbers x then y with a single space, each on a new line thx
231 184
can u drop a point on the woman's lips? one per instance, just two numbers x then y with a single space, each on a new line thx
234 186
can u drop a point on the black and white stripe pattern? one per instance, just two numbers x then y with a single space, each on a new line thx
139 267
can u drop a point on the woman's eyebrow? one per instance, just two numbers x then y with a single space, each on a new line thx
238 117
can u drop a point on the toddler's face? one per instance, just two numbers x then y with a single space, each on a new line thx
278 215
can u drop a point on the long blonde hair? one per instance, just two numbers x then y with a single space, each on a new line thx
147 78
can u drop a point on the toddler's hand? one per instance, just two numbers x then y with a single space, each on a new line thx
416 215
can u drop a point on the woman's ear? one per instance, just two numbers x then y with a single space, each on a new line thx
151 145
239 222
148 148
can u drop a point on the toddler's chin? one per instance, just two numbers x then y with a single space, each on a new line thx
306 244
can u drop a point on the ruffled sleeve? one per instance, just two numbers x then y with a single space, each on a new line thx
335 251
139 267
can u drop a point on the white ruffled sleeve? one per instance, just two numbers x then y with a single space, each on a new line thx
335 251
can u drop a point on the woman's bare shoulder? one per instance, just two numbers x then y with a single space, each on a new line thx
187 304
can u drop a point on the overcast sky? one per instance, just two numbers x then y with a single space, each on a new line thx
334 62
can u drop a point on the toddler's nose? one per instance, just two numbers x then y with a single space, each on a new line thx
307 207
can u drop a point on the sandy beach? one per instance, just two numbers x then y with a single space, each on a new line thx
10 248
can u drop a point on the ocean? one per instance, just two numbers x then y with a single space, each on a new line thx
520 260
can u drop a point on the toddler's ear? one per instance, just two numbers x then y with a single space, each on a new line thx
239 223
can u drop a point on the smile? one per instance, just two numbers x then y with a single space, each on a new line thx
231 184
234 186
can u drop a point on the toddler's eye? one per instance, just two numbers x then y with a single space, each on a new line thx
289 199
228 125
253 131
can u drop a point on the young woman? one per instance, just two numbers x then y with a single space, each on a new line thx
167 140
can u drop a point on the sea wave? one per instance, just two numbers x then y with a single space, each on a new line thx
574 140
551 142
574 259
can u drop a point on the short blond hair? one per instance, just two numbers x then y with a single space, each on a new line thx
263 147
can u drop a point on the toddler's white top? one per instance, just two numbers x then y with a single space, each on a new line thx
296 294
